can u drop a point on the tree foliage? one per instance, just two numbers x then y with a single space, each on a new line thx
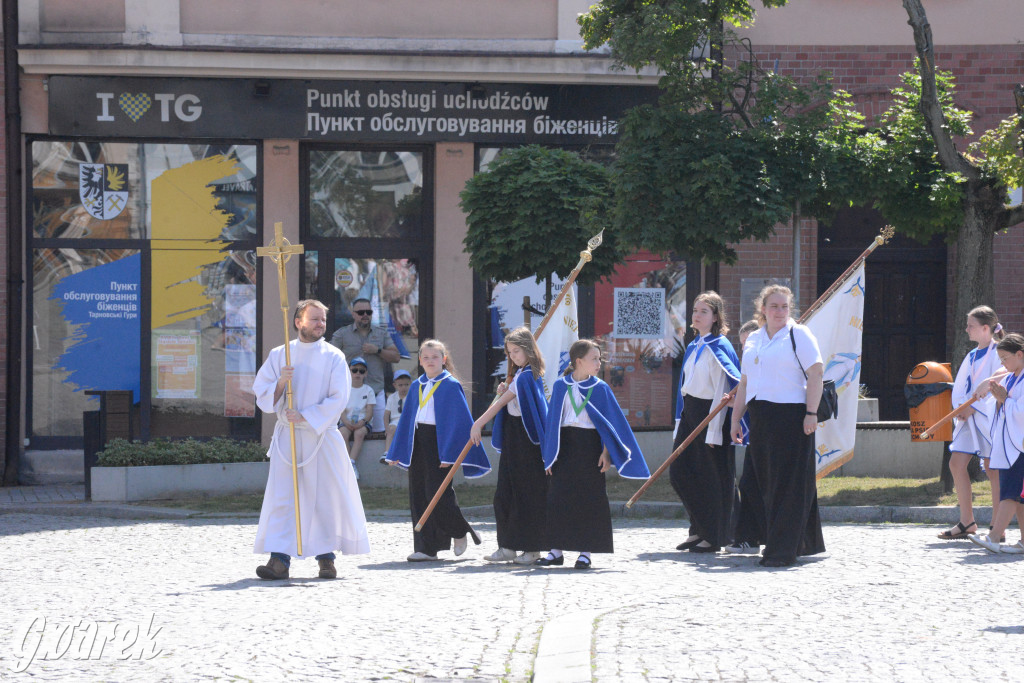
733 147
531 213
681 38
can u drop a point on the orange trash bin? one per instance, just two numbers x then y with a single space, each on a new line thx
929 393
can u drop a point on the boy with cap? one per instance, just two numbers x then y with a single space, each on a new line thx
393 410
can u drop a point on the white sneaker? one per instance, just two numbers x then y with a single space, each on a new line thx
985 542
742 549
421 557
501 555
461 544
1015 549
528 558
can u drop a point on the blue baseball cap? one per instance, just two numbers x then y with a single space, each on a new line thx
358 360
401 373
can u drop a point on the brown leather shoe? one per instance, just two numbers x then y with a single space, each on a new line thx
327 570
275 569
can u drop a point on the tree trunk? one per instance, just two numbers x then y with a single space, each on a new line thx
975 284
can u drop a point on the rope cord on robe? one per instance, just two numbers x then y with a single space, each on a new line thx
927 434
585 257
886 235
309 459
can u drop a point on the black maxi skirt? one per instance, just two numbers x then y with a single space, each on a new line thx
425 476
783 463
520 500
704 476
578 516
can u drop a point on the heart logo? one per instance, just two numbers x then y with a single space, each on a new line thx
134 105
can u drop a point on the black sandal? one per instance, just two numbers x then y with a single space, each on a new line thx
947 535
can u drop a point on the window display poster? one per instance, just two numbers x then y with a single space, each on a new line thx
175 364
641 381
101 307
239 399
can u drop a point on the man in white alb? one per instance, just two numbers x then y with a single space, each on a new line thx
329 504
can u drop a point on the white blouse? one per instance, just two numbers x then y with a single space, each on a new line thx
771 367
569 416
513 405
425 414
703 374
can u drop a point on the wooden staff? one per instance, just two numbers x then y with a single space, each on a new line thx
585 257
886 235
682 447
280 250
927 434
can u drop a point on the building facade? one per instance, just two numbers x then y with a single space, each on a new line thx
162 141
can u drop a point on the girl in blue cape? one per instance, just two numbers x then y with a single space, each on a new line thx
431 433
519 413
704 475
585 435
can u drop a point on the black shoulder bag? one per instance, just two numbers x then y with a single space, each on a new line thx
828 407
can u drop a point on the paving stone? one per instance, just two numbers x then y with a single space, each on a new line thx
877 607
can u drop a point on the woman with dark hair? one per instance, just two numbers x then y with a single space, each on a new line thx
780 385
704 475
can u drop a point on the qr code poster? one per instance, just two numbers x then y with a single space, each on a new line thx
639 313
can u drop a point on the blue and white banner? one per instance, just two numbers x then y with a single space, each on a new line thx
838 326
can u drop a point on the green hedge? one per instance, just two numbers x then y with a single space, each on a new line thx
122 453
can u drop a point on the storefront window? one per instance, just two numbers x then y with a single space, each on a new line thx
392 286
203 366
185 221
84 333
365 193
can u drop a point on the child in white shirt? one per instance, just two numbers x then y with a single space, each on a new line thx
393 409
355 421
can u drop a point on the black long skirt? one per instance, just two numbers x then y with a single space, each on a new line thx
520 500
578 517
783 463
748 512
425 476
704 476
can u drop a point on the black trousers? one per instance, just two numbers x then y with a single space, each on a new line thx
578 516
783 463
425 476
704 476
520 500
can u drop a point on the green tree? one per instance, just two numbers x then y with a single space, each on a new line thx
732 149
531 213
960 195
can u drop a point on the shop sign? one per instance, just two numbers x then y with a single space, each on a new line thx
340 110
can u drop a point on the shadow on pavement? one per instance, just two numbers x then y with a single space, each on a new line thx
255 582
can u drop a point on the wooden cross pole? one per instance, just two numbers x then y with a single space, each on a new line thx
280 250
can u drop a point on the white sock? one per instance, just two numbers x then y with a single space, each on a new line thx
585 556
554 554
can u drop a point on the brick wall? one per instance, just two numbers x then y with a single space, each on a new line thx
985 78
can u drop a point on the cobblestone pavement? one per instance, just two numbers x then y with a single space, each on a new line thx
889 602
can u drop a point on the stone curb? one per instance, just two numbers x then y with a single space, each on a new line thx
867 514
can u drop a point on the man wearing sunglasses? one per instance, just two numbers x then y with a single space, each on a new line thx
372 343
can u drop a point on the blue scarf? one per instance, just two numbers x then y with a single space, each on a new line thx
604 411
454 421
530 394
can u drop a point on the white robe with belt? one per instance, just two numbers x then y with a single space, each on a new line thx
329 503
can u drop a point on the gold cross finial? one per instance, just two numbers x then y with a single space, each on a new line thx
280 249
